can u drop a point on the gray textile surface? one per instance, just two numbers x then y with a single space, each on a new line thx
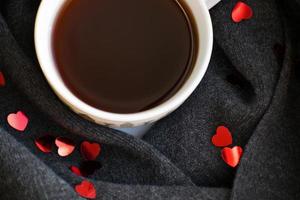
252 86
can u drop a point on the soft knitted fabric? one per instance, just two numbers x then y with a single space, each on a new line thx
251 86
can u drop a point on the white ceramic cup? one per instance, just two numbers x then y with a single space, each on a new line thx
45 20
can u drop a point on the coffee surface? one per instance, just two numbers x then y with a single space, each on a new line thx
123 56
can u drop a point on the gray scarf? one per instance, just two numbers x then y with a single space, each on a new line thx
251 86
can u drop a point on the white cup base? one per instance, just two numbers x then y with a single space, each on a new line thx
137 132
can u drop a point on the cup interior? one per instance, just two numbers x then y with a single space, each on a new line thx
45 21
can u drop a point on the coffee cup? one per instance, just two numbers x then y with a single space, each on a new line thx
45 21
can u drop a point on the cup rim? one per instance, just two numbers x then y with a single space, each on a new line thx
48 66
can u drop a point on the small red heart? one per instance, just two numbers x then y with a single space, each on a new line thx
76 170
222 138
90 151
2 79
18 121
45 143
232 155
89 167
86 189
86 168
241 11
65 146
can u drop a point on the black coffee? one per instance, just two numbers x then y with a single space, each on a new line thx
123 56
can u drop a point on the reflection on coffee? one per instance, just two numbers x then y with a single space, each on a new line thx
124 56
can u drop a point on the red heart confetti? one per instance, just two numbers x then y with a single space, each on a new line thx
2 79
18 121
76 170
232 156
45 143
86 189
90 151
89 167
241 11
222 138
65 146
86 168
